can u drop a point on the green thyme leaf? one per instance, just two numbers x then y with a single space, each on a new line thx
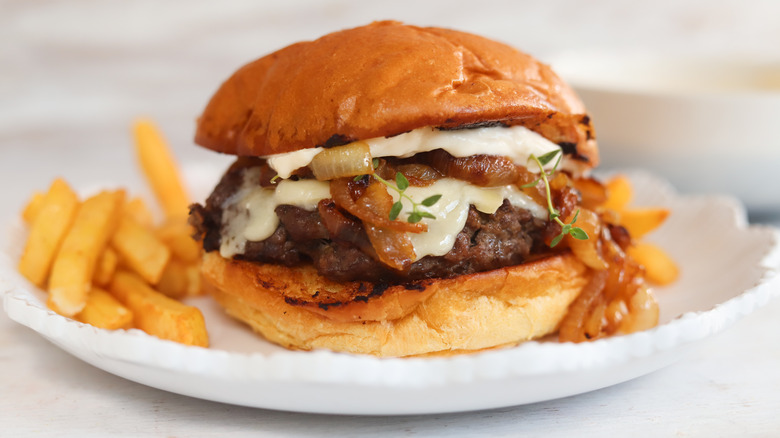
546 158
578 233
557 240
358 178
401 181
395 210
401 184
430 200
531 184
375 162
576 215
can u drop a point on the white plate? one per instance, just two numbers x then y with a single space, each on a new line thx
728 271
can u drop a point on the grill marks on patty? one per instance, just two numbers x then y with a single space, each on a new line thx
336 243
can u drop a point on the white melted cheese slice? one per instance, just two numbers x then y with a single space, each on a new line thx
249 214
516 142
452 210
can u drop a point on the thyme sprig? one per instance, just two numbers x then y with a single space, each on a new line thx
401 184
575 232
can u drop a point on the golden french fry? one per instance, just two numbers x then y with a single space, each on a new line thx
173 282
194 288
104 311
640 221
105 268
140 250
619 193
160 168
47 231
137 210
74 265
178 236
33 207
659 267
157 314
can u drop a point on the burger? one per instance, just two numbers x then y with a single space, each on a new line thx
404 191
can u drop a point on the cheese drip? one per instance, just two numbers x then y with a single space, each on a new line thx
249 214
516 143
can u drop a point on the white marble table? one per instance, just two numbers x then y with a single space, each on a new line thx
73 75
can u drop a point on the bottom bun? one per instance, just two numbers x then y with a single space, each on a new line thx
299 309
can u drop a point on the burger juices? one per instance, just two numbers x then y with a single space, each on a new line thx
405 191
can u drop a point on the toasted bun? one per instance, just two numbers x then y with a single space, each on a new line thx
385 79
297 308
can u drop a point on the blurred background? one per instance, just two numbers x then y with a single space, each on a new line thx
74 74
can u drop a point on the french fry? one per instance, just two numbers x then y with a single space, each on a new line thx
194 287
177 235
161 170
104 311
74 266
33 207
47 231
137 210
619 193
157 314
180 280
140 250
173 282
640 221
105 268
659 267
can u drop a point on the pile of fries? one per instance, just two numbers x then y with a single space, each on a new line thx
105 262
660 269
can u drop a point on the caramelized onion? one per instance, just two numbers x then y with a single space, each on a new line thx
573 324
342 161
592 191
559 181
481 170
643 312
393 248
418 174
341 193
524 176
343 228
588 251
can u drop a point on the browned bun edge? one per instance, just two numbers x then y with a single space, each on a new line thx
385 79
444 316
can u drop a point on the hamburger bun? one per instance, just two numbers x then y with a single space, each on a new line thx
385 79
297 308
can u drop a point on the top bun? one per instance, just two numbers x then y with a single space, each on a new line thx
385 79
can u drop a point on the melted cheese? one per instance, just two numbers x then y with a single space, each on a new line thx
516 142
452 210
249 214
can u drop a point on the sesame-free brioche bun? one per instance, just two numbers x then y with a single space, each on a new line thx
385 79
297 308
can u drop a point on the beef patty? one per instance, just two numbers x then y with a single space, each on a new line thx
508 237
